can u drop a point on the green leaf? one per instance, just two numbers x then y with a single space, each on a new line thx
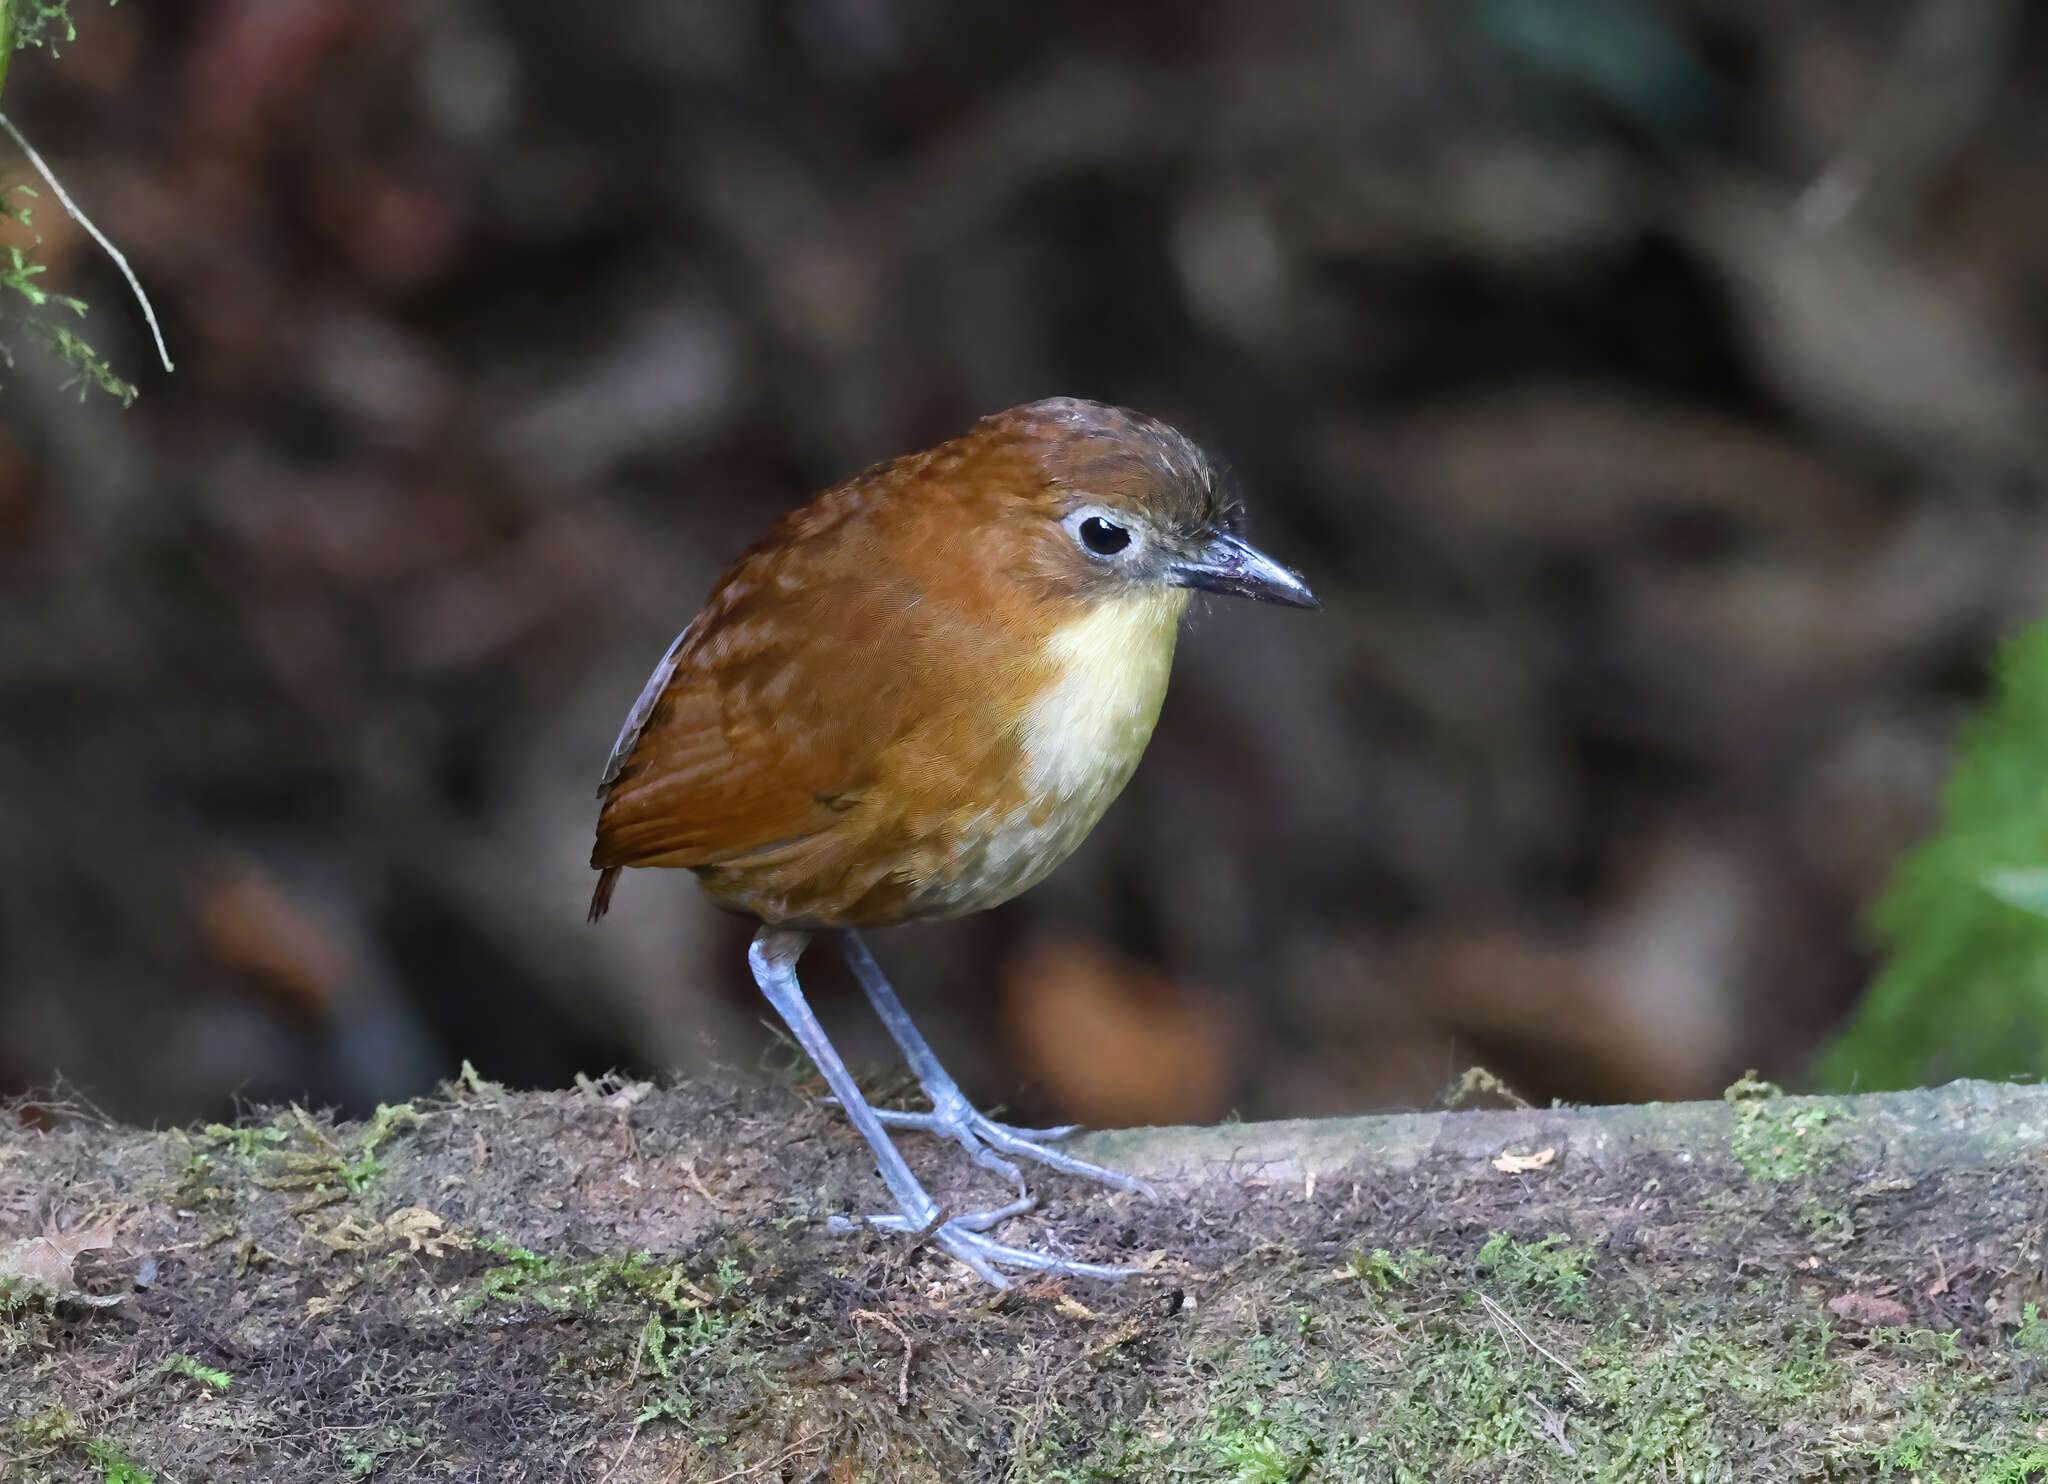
1964 923
2025 888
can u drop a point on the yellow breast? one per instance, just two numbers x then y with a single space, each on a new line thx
1080 739
1084 733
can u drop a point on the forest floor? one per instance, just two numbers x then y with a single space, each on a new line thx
623 1283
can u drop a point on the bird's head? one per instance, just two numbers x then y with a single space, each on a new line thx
1121 503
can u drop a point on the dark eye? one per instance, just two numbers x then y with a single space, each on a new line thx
1104 538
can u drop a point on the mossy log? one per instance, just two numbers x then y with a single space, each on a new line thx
624 1283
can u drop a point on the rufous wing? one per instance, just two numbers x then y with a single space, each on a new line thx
718 771
850 669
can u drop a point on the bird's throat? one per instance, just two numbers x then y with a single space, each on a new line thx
1085 730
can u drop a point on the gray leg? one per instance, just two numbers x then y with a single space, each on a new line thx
952 1116
773 957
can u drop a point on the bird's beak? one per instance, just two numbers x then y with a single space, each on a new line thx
1228 564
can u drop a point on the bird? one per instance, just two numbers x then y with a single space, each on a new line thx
912 700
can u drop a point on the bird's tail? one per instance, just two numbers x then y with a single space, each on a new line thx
601 899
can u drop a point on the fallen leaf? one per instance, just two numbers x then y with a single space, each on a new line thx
327 1303
1522 1164
46 1262
423 1230
43 1261
1868 1308
350 1235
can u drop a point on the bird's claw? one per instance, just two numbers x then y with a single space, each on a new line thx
964 1237
974 1221
986 1141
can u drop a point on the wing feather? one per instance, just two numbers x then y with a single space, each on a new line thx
762 720
643 706
852 671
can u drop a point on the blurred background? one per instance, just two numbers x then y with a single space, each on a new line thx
1652 391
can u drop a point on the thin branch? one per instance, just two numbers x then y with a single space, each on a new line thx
801 1445
630 1437
1502 1316
903 1375
134 283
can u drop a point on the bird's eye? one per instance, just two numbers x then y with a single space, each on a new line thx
1104 538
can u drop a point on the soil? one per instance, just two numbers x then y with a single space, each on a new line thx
624 1283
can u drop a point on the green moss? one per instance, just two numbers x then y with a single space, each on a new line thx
362 1168
51 1443
471 1083
46 1430
691 1348
295 1151
1529 1361
247 1141
566 1287
1244 1448
205 1375
1382 1272
199 1186
2032 1336
24 1314
1552 1270
115 1466
2023 1465
1774 1139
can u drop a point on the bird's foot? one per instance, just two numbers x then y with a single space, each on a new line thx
987 1141
965 1237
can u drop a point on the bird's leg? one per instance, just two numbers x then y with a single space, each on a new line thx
952 1115
773 956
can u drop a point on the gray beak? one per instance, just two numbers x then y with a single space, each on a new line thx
1228 564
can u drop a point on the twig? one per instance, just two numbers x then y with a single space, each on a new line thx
903 1373
697 1184
1502 1316
799 1446
134 283
940 1216
630 1437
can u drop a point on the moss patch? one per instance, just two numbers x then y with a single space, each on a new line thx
1776 1138
622 1284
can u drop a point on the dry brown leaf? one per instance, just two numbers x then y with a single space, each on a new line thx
1510 1163
423 1230
324 1304
47 1261
349 1235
